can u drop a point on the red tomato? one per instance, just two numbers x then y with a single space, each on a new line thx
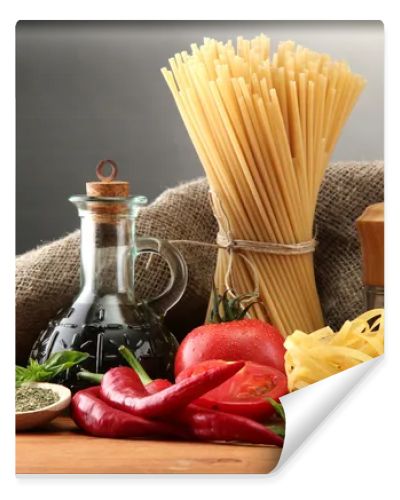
246 339
245 393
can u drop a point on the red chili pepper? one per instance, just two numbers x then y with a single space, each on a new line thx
207 424
98 418
152 386
157 385
204 424
123 389
213 425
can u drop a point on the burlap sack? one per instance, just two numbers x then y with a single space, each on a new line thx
47 278
348 188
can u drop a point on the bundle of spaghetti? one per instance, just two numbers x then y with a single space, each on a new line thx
264 129
315 356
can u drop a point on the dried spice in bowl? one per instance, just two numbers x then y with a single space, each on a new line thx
31 398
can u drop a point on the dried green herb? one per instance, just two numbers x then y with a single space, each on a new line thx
29 398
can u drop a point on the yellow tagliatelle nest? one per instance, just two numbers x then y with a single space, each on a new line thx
314 356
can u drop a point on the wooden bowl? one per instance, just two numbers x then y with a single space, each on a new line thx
30 419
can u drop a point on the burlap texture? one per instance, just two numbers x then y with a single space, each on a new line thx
47 278
348 188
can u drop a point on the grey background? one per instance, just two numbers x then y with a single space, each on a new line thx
92 90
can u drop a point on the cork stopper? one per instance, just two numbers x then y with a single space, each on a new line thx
106 186
371 228
105 211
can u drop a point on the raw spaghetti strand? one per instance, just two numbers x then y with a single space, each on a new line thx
264 126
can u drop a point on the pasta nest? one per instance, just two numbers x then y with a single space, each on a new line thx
320 354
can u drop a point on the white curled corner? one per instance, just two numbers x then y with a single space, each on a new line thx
306 408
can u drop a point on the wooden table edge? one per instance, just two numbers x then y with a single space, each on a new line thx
62 449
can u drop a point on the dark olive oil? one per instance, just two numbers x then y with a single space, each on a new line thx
99 328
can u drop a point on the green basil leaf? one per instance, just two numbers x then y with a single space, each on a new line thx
56 364
33 373
20 371
65 359
33 365
277 407
38 372
21 375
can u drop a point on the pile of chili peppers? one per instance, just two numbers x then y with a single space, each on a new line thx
128 404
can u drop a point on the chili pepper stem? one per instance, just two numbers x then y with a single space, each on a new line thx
95 378
134 363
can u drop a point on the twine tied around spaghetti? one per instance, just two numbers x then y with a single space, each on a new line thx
237 247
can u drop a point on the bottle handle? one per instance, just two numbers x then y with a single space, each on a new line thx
178 269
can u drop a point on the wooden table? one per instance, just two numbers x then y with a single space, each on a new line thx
61 448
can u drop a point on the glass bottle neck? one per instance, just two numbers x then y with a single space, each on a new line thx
107 244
